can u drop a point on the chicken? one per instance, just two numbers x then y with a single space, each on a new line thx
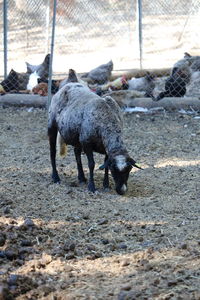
175 85
72 77
41 89
143 84
100 74
42 69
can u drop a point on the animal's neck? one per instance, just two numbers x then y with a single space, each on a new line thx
113 143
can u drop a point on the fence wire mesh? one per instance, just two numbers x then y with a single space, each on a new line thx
90 33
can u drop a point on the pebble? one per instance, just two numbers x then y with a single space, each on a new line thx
6 211
26 243
126 287
125 262
172 282
105 241
12 280
2 254
2 239
184 246
103 221
28 222
11 254
122 246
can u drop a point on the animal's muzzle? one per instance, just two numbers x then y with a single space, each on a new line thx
122 189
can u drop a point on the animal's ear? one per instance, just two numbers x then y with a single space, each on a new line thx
186 54
133 163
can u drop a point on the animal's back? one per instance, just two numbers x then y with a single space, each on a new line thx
82 116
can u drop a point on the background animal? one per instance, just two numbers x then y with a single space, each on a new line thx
143 84
72 77
101 74
42 69
10 83
91 124
175 85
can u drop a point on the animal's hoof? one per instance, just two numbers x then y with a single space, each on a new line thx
56 179
82 181
106 189
91 188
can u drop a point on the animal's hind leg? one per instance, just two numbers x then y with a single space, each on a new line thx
81 175
106 178
91 165
52 134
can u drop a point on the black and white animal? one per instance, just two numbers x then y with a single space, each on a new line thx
90 124
42 70
101 74
175 85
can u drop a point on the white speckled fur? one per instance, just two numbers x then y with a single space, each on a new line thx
121 162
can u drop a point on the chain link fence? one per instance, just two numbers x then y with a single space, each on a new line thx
88 33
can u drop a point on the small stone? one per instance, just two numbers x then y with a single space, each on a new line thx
2 239
126 287
156 281
12 280
6 211
125 262
91 247
184 246
105 241
26 243
11 254
69 256
29 222
46 259
2 254
172 283
103 221
122 246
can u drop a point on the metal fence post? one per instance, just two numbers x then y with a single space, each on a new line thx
140 40
52 49
5 31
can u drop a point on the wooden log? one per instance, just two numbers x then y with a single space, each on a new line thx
134 73
131 99
140 73
123 98
28 100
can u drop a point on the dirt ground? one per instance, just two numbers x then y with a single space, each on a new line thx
62 242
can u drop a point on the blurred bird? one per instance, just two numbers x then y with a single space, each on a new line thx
143 84
42 69
10 83
72 77
100 74
175 85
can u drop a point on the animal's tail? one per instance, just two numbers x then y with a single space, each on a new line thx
160 96
62 147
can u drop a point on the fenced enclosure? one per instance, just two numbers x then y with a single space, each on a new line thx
84 34
89 33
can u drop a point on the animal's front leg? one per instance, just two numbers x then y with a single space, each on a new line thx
52 134
91 165
81 175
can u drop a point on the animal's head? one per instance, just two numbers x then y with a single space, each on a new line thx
110 65
11 82
120 166
72 77
150 77
47 59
